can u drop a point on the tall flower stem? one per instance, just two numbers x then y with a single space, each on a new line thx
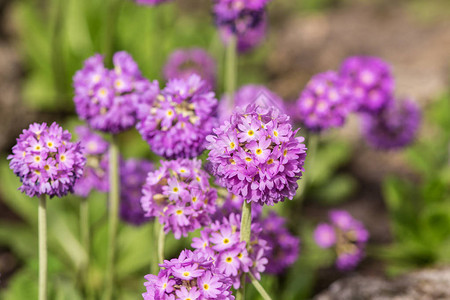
154 248
42 216
231 69
114 192
259 287
85 240
161 240
246 224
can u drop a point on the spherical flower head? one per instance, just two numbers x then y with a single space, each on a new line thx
250 94
248 39
46 161
324 103
190 276
256 155
178 120
283 248
95 173
184 62
151 2
179 194
393 128
132 177
347 235
221 242
370 82
108 99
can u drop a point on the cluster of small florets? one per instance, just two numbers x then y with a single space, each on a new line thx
151 2
347 235
177 121
249 94
190 276
370 82
324 103
256 155
394 127
95 173
283 248
184 62
221 242
107 99
133 173
180 196
46 161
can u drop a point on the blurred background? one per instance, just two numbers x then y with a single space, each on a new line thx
402 196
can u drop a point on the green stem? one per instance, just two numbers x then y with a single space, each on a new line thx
111 17
161 240
231 70
42 215
84 233
246 224
154 267
259 287
114 193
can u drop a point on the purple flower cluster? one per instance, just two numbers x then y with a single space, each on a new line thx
256 155
347 235
46 161
248 94
95 173
283 247
370 82
190 276
151 2
132 177
184 62
221 242
394 127
108 99
324 103
177 120
179 194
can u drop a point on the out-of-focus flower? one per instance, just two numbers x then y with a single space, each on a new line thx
133 173
108 99
177 121
95 173
249 94
184 62
231 257
324 103
283 248
46 161
190 276
179 195
394 127
256 155
151 2
347 235
370 82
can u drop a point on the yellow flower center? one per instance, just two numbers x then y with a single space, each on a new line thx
250 132
50 144
47 167
249 159
206 286
232 161
240 255
169 113
229 259
232 145
119 83
275 133
37 158
37 172
258 151
175 190
270 161
285 152
36 148
103 91
186 274
194 199
226 241
179 212
62 158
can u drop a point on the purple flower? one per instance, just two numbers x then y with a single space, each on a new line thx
347 235
177 121
370 82
249 94
283 247
179 194
184 62
256 155
132 177
46 161
246 40
221 242
108 99
324 103
394 127
95 173
151 2
190 276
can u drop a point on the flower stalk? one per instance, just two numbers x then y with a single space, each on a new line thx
246 224
161 240
42 216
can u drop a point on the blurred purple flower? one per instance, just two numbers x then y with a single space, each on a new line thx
46 161
151 2
184 62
